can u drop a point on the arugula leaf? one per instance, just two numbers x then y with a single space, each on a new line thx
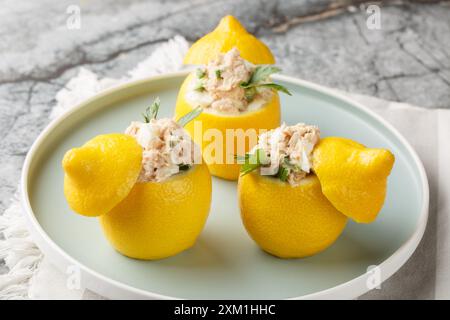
152 111
276 87
261 73
254 161
257 79
188 117
247 168
258 159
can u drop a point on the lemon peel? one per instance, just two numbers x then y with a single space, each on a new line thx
101 173
353 177
160 219
228 34
287 221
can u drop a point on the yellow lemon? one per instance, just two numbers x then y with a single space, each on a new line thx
353 177
267 117
287 221
229 34
101 173
160 219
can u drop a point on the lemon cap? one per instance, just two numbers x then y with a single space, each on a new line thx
101 173
228 34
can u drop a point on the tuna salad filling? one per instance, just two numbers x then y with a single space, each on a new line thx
231 85
167 147
284 152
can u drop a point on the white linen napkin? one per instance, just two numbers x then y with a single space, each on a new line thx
426 275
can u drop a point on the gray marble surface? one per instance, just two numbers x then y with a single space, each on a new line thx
324 41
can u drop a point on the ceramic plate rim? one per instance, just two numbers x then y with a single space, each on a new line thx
115 289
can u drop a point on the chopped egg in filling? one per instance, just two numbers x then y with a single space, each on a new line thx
289 149
167 148
217 87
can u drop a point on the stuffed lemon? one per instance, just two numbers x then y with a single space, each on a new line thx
156 172
232 85
298 203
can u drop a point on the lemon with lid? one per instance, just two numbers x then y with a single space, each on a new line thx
233 85
149 187
281 201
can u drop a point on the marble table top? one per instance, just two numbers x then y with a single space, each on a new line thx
329 42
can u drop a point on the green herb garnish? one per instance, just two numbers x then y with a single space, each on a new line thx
283 173
259 79
242 159
152 111
201 73
219 74
275 86
249 94
254 161
184 167
261 73
199 86
188 117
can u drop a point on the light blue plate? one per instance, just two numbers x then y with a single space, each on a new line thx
225 263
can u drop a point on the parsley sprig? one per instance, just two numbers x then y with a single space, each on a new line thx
259 79
252 161
152 111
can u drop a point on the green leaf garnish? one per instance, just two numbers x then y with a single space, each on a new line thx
247 168
199 86
201 73
276 87
249 94
261 73
152 111
258 78
283 173
259 159
219 74
253 161
188 117
184 167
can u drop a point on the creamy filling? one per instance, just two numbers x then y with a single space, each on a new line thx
289 149
217 86
167 149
